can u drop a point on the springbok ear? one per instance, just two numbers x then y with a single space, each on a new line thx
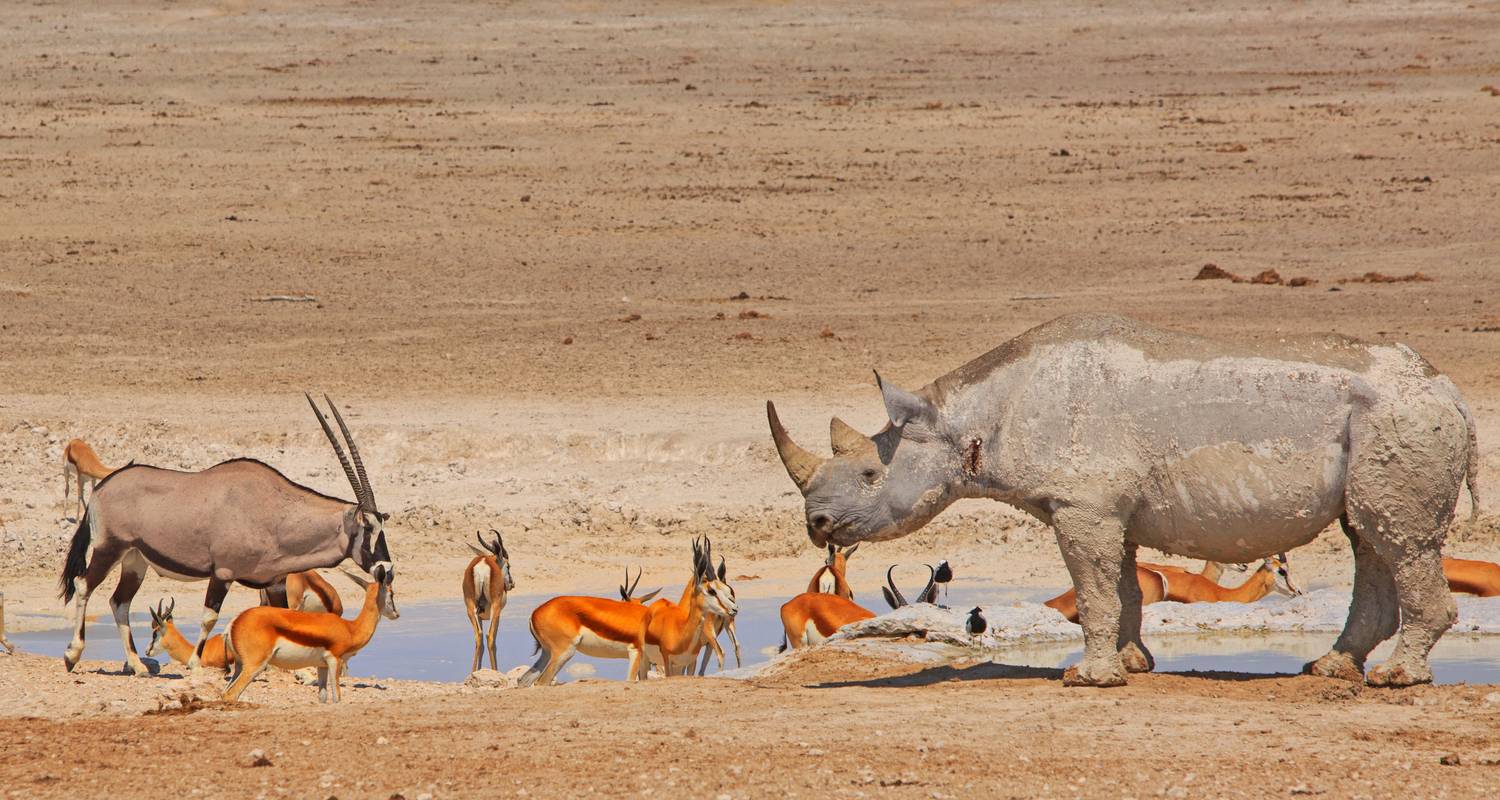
850 551
903 406
361 580
479 552
721 568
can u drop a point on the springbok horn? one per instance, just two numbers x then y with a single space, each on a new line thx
929 593
800 464
646 598
359 465
625 587
499 547
338 450
890 581
848 441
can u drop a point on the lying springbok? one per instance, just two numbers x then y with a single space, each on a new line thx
595 626
1119 435
486 585
678 630
893 596
713 625
1176 585
4 642
266 636
237 522
813 616
80 461
1464 576
304 591
165 636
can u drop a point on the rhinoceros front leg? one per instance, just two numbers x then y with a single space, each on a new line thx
1093 548
1133 652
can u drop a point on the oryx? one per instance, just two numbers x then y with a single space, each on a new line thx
240 521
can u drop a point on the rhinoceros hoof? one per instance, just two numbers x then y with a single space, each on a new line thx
1136 659
1335 665
1384 675
1079 676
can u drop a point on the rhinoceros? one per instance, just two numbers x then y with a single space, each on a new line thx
1118 434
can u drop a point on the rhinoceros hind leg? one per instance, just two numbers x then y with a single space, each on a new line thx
1093 548
1133 652
1372 613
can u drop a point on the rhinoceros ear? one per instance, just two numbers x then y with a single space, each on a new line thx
903 406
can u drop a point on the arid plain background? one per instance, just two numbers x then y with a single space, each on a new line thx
525 227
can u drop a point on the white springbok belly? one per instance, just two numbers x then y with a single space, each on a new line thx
596 646
811 635
289 655
1237 503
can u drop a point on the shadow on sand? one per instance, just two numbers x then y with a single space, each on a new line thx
993 671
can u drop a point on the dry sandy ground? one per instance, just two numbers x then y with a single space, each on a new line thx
524 226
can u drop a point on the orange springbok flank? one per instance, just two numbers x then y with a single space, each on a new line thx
266 636
1177 585
1472 577
677 631
80 460
813 616
594 626
165 636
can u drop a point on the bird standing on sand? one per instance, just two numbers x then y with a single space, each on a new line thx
976 623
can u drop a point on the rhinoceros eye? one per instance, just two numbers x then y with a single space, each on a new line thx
870 475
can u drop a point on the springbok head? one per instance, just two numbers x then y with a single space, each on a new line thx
1284 584
895 599
385 599
882 486
627 589
160 617
714 594
366 519
495 548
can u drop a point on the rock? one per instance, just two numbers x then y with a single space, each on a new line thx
257 758
489 679
922 620
1492 699
1450 760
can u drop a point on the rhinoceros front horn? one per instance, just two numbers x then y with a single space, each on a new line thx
800 464
848 441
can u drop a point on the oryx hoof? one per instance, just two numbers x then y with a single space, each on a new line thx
1336 665
1087 674
1136 658
70 662
1397 676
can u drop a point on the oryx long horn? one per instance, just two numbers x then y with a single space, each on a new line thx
800 464
929 592
338 450
846 440
895 593
359 465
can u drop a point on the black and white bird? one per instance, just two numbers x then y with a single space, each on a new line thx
976 623
943 576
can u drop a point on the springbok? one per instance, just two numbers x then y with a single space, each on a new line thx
836 565
893 597
595 626
80 461
813 616
4 642
627 589
165 636
240 521
266 636
1180 586
677 630
304 591
486 584
714 624
1472 577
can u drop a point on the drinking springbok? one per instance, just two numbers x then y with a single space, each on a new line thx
303 591
240 521
80 460
813 616
487 583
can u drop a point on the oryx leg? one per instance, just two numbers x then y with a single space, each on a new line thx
213 600
100 564
1093 548
132 574
1372 613
1133 652
494 625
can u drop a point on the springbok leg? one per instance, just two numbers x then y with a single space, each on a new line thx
494 625
478 638
213 600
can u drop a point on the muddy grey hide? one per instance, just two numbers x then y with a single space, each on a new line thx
1118 434
236 522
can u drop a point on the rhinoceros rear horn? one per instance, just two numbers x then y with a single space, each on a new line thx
848 441
800 464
